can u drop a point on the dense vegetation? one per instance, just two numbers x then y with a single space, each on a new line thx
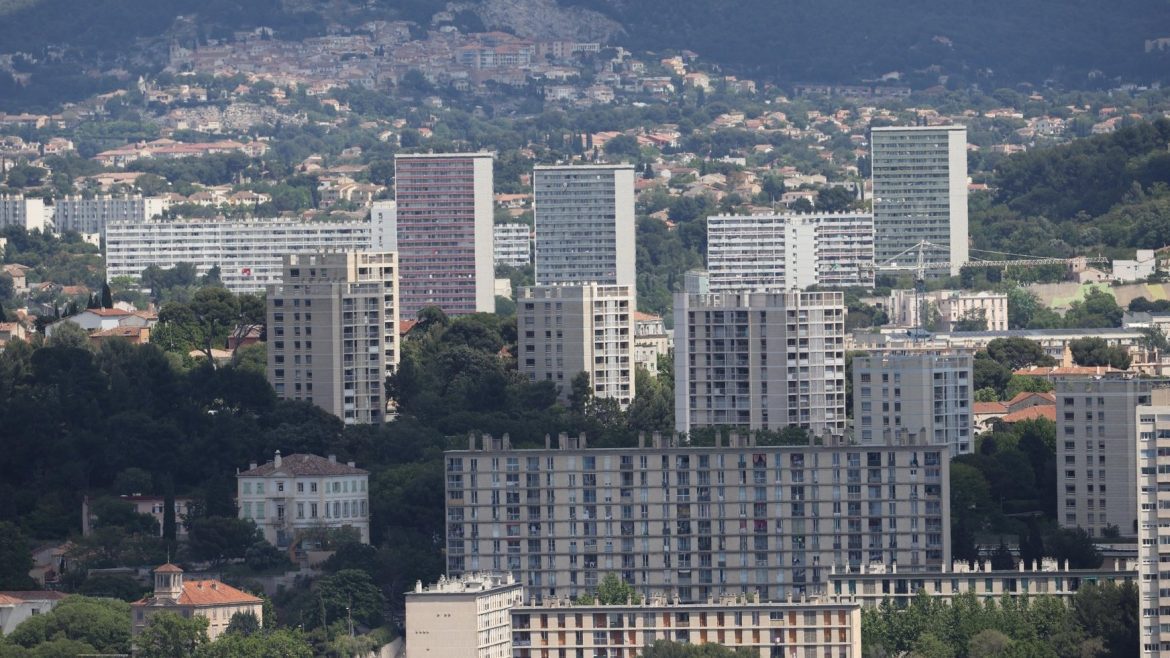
1108 193
1101 621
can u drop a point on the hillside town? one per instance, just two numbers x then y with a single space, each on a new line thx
420 340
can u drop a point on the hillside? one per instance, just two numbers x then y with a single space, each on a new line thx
994 42
1096 194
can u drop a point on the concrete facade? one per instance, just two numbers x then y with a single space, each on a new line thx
926 397
1152 489
789 251
1096 455
760 361
248 252
693 522
465 617
444 224
333 332
565 330
75 213
513 244
293 494
584 221
920 193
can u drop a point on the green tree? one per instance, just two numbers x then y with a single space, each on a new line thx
280 643
1093 351
114 586
168 635
1025 384
208 320
989 643
345 593
219 538
835 199
15 559
1110 612
615 591
1017 353
68 334
243 623
100 623
1099 309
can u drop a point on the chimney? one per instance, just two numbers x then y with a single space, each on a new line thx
276 460
332 459
351 464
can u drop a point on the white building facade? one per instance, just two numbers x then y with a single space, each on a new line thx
291 495
513 244
90 215
248 252
789 251
920 194
27 213
584 224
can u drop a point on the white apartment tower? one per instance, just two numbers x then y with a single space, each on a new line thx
333 332
1153 498
789 251
584 219
920 194
444 221
760 361
465 617
566 330
924 397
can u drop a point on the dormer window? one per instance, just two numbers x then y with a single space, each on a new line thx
280 486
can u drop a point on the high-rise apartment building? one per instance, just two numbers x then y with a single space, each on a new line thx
444 224
694 522
384 224
920 194
789 251
923 397
1096 455
26 212
563 331
513 244
248 252
760 360
333 332
1152 442
90 215
584 221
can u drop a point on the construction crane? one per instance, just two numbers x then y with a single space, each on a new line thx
921 265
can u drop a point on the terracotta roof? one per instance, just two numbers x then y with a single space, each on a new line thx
168 568
639 316
1024 395
203 593
1031 413
126 332
301 464
404 326
1052 371
984 408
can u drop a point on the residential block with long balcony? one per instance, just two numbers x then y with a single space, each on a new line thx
1152 442
760 361
693 522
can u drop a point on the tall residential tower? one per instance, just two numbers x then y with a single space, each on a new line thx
584 216
920 194
444 226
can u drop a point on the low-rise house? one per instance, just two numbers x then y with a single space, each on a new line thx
16 607
208 598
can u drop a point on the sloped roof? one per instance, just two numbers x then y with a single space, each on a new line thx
984 408
202 593
302 464
1031 413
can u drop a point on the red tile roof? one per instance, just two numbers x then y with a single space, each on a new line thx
213 592
984 408
17 597
1049 398
1031 413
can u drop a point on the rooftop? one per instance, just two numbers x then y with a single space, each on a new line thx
302 464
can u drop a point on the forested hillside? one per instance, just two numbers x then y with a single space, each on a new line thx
1104 193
